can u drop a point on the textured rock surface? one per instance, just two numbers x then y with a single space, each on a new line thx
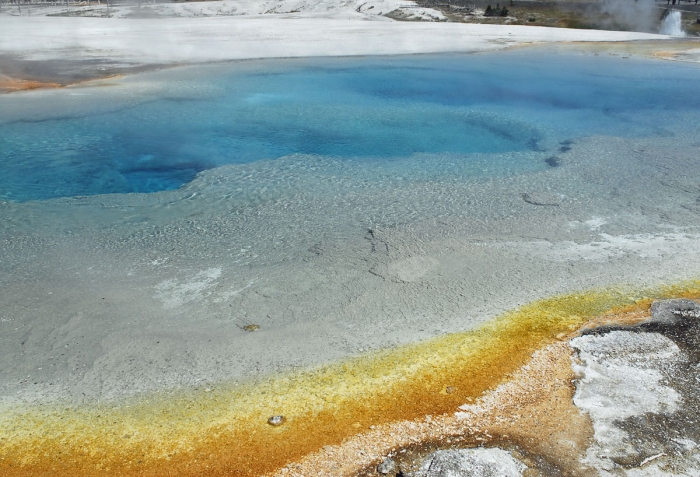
479 462
669 312
387 466
640 390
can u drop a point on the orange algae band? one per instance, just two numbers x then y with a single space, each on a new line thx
226 431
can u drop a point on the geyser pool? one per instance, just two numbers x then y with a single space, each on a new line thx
428 196
157 131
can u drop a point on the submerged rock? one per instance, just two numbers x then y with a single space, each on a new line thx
479 462
276 420
553 161
541 198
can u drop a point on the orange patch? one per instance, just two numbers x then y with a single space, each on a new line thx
11 84
224 431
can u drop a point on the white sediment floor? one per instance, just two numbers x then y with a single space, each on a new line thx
110 295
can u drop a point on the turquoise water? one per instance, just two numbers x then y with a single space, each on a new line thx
361 109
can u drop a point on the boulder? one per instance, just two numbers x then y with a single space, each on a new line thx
671 312
478 462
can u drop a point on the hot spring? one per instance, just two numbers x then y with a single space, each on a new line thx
176 245
158 131
332 205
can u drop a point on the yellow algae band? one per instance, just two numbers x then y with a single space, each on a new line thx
225 431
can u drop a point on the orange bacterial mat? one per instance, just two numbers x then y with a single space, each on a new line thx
225 430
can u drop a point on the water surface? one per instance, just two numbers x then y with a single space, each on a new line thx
157 131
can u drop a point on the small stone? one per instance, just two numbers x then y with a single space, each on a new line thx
450 389
387 466
276 420
251 327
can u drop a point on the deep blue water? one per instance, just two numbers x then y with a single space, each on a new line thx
369 109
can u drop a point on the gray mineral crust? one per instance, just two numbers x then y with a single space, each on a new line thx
640 391
479 462
387 466
669 312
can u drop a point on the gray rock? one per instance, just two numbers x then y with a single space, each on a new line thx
541 198
387 467
478 462
670 312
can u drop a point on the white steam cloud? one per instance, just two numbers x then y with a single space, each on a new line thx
634 15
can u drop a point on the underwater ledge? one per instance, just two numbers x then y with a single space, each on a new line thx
224 430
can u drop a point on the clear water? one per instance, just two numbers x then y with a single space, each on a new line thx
133 138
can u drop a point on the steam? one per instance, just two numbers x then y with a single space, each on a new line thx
639 15
636 15
671 24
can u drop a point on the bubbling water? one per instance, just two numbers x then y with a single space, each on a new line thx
671 24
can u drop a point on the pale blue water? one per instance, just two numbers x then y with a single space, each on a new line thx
365 109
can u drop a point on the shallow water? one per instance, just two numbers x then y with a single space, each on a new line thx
567 172
360 204
159 130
